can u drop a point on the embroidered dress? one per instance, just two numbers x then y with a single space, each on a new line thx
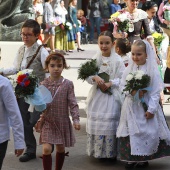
103 110
57 128
143 139
137 23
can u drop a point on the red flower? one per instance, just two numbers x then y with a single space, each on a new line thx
21 78
26 83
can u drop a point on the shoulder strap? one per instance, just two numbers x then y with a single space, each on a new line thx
34 56
58 88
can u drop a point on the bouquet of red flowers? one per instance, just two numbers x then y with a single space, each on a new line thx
26 84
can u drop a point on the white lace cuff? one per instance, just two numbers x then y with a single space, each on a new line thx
115 82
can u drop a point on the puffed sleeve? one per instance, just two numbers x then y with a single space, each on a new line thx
145 25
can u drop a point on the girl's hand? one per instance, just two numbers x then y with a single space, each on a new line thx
98 80
76 126
149 115
74 25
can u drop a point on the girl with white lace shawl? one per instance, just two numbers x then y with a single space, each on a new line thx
103 110
143 135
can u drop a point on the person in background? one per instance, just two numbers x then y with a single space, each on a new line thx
138 21
95 8
61 40
9 112
72 17
38 10
30 32
81 17
114 7
49 33
57 128
122 48
164 22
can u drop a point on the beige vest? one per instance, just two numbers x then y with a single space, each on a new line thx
36 64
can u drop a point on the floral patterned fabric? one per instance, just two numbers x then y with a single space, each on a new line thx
101 146
125 151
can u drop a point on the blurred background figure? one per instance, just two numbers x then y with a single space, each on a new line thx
95 12
114 7
61 31
72 17
49 33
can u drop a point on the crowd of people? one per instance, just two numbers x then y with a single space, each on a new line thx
116 122
60 26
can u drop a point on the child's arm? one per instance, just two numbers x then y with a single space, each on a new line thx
154 94
74 109
14 116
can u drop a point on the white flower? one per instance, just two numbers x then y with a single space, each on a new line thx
13 80
129 77
123 17
79 23
139 74
29 71
69 25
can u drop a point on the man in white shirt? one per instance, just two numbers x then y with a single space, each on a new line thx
30 32
9 116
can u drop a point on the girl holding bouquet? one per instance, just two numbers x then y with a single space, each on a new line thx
57 128
103 109
142 131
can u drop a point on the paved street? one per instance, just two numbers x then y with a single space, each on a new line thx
77 160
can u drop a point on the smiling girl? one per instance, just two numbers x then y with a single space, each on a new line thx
103 110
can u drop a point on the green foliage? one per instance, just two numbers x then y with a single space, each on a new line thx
25 91
123 26
87 69
136 84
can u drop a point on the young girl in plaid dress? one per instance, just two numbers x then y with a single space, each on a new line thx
57 128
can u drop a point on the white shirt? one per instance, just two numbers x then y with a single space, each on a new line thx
10 115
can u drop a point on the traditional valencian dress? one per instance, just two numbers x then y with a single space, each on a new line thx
143 139
103 110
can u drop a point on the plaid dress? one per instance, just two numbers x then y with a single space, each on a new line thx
57 128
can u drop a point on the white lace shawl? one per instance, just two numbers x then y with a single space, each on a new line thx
144 140
114 59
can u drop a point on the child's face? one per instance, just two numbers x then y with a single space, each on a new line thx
55 68
138 55
152 12
105 44
115 1
28 36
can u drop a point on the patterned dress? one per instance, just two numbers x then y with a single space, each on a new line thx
57 128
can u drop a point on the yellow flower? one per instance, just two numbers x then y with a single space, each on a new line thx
19 73
115 15
156 35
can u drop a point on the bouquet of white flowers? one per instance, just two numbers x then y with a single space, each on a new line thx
121 21
137 81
